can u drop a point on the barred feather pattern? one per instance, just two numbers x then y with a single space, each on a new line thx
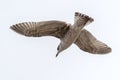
24 28
44 28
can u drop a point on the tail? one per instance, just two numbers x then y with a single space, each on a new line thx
23 28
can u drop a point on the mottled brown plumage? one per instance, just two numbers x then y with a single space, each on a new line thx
81 37
80 20
87 42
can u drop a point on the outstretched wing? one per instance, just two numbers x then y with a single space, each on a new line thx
87 42
44 28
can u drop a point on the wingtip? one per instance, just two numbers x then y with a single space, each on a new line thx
103 50
11 27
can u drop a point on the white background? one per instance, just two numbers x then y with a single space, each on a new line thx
24 58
